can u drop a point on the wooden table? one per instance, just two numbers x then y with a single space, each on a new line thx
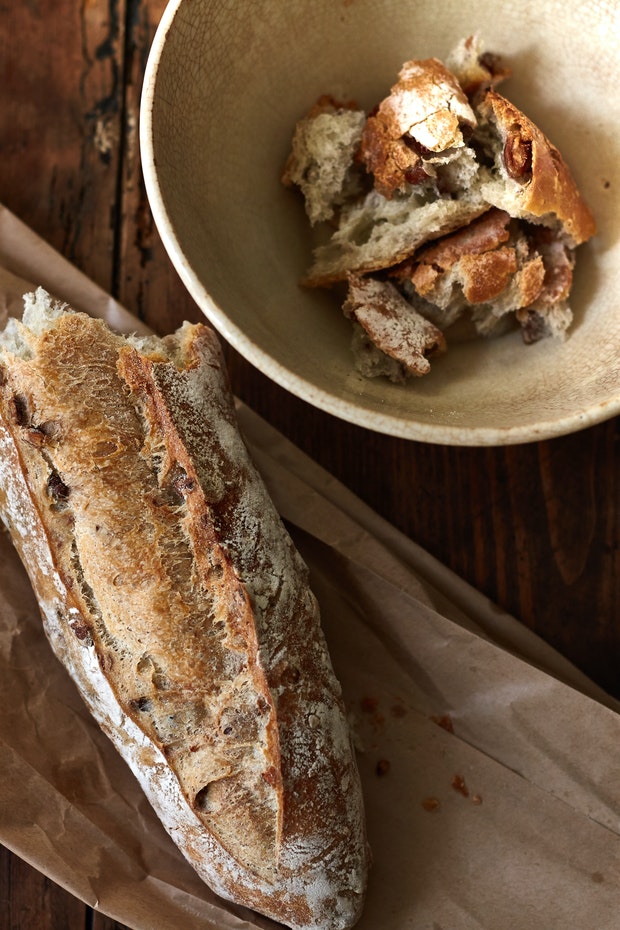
535 527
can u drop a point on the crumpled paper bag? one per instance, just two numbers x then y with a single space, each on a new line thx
488 762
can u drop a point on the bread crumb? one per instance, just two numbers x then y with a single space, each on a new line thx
369 704
458 783
445 722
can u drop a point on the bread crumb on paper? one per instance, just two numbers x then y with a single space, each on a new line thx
459 785
445 722
383 767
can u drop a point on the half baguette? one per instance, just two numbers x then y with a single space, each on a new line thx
173 595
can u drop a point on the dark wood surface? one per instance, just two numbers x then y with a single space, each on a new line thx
534 527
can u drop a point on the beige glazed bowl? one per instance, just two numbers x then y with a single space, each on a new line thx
226 82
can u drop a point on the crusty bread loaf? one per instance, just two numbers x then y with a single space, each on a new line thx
178 603
445 153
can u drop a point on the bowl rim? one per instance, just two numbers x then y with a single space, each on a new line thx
400 427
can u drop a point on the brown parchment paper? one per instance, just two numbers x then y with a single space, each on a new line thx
489 763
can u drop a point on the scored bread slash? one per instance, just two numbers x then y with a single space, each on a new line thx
173 595
439 159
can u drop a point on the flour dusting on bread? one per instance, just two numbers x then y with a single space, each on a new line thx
442 156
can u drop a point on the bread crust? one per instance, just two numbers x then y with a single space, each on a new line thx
543 184
175 598
415 124
392 324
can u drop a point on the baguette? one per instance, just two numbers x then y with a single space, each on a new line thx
176 600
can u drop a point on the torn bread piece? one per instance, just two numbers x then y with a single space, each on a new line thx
176 600
388 323
322 158
423 123
530 179
448 273
375 233
475 69
490 267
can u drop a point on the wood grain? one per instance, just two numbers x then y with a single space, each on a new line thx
145 281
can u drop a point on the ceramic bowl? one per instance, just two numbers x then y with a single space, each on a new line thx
226 82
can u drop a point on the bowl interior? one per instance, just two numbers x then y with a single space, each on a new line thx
225 85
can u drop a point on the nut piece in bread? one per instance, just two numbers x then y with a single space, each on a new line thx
176 600
322 159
